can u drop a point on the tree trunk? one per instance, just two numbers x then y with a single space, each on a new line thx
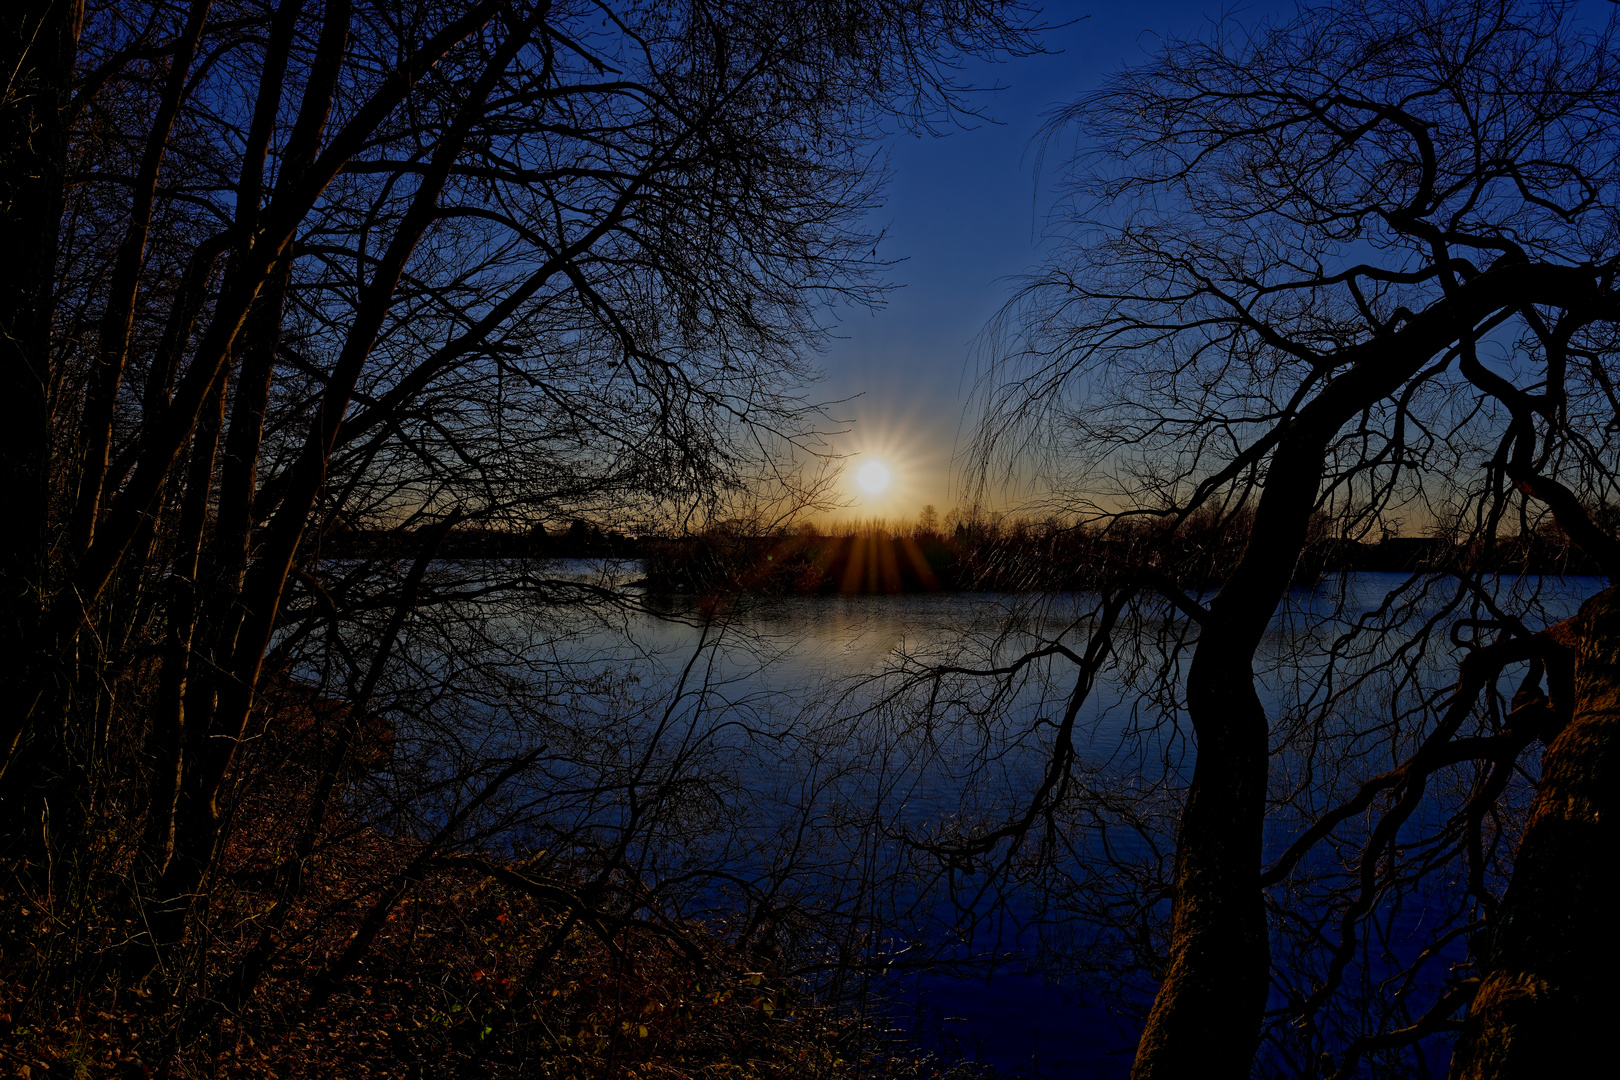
1548 993
1206 1015
166 744
38 48
101 404
38 39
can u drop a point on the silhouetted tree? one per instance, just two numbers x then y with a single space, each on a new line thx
284 270
1353 268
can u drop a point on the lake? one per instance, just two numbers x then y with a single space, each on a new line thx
817 712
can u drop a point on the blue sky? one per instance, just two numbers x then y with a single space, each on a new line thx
964 213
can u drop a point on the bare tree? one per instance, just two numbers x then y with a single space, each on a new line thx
1334 275
294 270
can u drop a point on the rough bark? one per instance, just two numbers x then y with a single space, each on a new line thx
1208 1008
1548 995
1209 1002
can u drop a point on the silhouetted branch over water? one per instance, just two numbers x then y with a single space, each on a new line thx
306 307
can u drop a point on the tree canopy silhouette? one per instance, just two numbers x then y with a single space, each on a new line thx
280 270
1328 277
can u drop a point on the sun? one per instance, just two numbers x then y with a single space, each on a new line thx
873 477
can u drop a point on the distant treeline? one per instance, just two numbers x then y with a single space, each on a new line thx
580 540
1020 555
967 553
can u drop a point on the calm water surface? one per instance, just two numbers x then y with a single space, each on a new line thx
776 655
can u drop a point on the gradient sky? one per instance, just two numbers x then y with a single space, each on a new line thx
964 213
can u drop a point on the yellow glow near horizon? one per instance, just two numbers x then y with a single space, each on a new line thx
887 467
873 477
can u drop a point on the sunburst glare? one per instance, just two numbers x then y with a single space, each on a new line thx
873 477
892 466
